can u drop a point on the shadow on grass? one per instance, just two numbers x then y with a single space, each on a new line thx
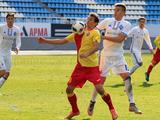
86 119
116 85
146 84
82 119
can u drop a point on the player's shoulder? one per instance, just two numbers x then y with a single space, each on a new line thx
135 28
146 30
126 22
16 27
95 31
3 25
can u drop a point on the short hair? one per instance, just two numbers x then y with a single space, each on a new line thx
9 14
141 18
95 15
121 5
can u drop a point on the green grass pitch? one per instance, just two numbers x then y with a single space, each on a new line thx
36 87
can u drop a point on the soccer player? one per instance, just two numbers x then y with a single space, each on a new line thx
87 64
112 54
155 59
139 34
8 34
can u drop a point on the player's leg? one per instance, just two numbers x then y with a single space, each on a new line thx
77 79
93 75
154 62
129 91
7 67
2 70
137 62
107 99
121 68
2 79
149 70
93 99
73 102
104 68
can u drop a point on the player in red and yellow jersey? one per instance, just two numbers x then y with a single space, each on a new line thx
155 59
87 67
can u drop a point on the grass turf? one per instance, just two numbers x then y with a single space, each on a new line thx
36 87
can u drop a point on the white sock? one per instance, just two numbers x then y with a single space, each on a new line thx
94 95
134 68
2 80
129 91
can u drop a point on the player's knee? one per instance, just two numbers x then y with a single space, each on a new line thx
154 63
103 80
69 90
127 78
6 75
140 63
2 73
100 90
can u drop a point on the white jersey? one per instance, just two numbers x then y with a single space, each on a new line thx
113 28
138 35
7 37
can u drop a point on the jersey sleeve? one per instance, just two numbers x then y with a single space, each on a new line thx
147 39
70 37
96 36
102 25
126 29
18 39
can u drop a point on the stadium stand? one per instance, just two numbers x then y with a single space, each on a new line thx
55 11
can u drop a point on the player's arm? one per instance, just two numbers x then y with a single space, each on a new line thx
42 40
91 51
148 41
132 32
18 42
118 39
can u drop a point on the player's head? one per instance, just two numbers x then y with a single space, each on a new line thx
10 19
141 22
92 20
119 10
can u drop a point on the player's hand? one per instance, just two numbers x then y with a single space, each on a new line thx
41 40
16 51
83 55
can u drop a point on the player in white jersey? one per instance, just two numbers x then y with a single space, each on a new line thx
139 34
112 54
8 34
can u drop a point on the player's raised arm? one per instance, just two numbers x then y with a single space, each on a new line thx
42 40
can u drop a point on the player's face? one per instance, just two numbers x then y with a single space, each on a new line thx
10 21
91 22
141 23
118 13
